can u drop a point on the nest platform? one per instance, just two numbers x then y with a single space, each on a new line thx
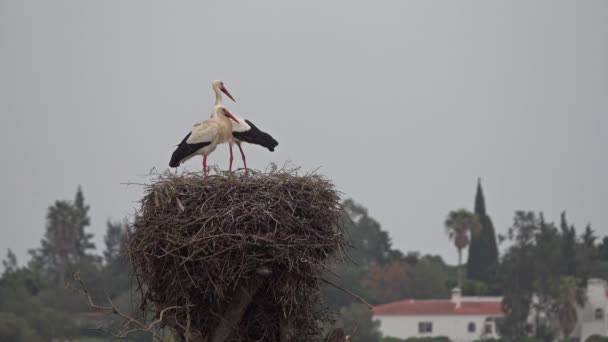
237 258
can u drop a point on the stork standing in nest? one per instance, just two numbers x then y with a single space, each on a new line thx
204 138
244 130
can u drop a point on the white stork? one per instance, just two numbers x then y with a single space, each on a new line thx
218 86
204 138
243 130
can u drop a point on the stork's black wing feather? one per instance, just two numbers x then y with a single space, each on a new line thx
257 137
185 150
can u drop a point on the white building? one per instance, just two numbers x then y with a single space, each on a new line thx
460 318
592 320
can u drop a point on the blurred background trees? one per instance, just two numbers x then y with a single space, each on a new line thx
36 305
544 266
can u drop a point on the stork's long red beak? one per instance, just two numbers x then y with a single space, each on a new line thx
228 114
225 91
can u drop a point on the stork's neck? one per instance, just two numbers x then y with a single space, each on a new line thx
218 96
226 127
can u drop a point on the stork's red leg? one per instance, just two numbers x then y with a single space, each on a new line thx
205 165
231 157
243 155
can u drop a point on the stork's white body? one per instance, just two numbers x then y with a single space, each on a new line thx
204 138
214 131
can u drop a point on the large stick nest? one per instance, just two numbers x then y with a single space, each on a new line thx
201 244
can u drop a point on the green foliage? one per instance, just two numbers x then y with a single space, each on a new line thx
391 339
588 256
65 244
597 338
10 263
531 339
16 329
371 244
475 288
428 339
388 282
603 249
356 320
482 260
460 225
568 245
21 295
520 339
566 295
430 279
519 260
379 274
115 275
547 261
36 295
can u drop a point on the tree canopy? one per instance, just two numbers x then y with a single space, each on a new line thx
543 269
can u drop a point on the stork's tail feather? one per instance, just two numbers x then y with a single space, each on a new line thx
184 151
257 137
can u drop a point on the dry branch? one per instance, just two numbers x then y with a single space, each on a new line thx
131 324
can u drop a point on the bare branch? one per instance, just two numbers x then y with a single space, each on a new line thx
112 309
348 292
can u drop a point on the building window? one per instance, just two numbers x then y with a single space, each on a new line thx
471 327
488 328
425 327
599 314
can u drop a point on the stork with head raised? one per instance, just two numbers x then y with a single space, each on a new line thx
218 88
204 138
243 130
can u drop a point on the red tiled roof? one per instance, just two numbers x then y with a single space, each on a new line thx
439 307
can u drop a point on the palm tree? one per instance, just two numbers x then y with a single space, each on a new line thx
460 225
567 295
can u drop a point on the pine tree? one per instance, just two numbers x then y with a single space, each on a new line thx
588 255
588 238
82 220
10 263
483 251
65 243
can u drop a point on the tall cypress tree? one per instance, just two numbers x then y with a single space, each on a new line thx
568 248
483 251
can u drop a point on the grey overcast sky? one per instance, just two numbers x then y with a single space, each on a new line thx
402 103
